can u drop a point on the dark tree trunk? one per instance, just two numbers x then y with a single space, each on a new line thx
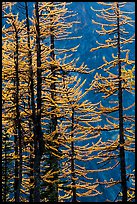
72 160
31 196
16 178
5 170
38 141
53 188
121 129
32 103
18 137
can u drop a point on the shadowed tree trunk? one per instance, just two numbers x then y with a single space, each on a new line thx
121 129
18 136
72 160
32 102
5 168
38 141
53 187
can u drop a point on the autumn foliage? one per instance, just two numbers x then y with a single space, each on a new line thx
56 143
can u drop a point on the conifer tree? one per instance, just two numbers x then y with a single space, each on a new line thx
41 100
15 81
77 127
31 105
41 65
14 96
48 127
116 80
53 28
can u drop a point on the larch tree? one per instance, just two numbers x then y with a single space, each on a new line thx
57 68
18 74
7 161
53 27
38 140
31 103
11 76
116 79
35 79
49 130
77 131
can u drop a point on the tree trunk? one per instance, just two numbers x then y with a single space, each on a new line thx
5 169
18 137
31 196
38 142
72 160
121 129
53 188
32 103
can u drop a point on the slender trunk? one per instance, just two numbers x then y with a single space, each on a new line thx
39 84
53 188
16 178
18 140
32 103
38 142
72 161
31 155
31 158
5 170
121 129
